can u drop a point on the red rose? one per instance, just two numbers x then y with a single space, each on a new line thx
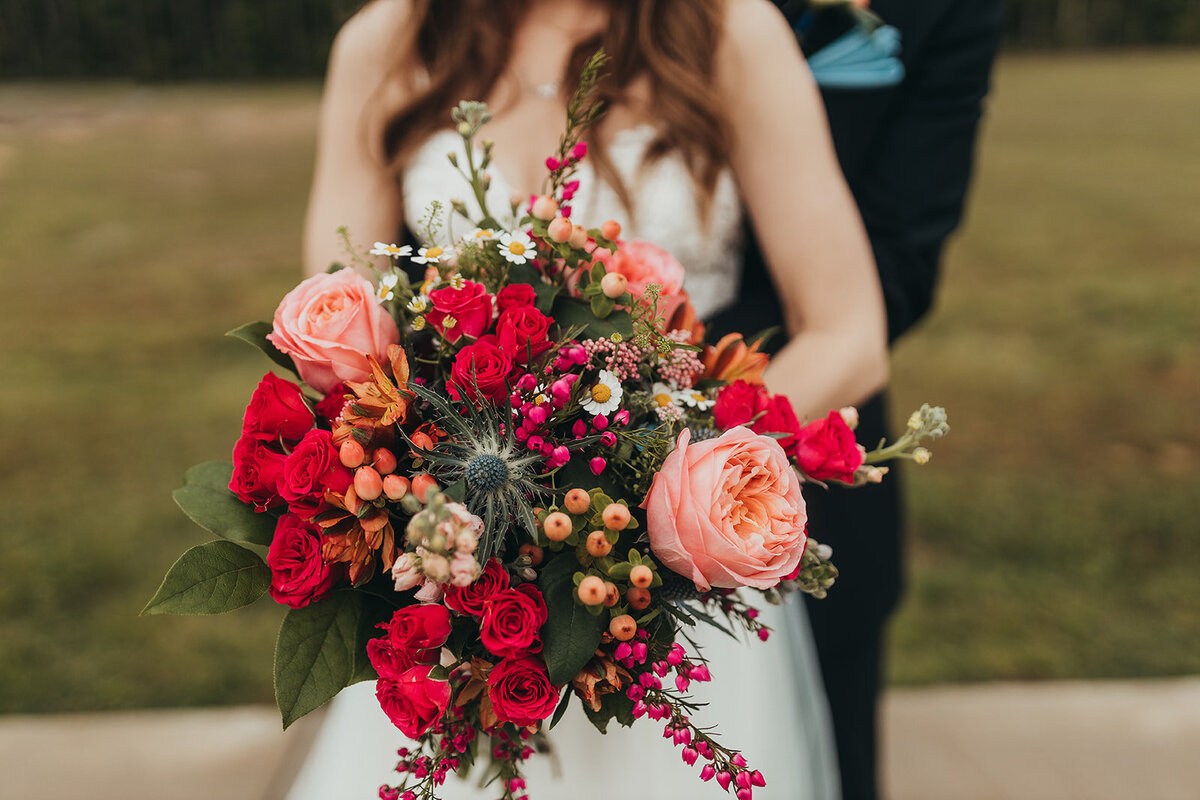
521 332
256 471
277 411
520 690
471 307
299 575
388 662
779 417
512 621
413 702
331 407
312 468
515 294
471 599
826 450
738 403
480 365
418 632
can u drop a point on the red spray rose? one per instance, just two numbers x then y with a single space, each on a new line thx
515 294
312 468
472 598
779 417
826 450
512 621
418 632
413 702
299 575
737 403
482 364
471 307
389 662
330 408
521 331
256 471
277 411
520 690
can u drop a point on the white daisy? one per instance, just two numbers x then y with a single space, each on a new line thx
479 236
696 399
517 248
393 250
664 395
428 255
419 304
605 395
387 287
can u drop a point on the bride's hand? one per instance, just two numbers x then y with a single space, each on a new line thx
805 218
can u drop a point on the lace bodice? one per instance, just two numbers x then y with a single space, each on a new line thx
665 211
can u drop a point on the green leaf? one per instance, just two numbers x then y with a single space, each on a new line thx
571 634
255 333
546 292
315 653
211 578
602 306
206 499
568 311
562 708
599 718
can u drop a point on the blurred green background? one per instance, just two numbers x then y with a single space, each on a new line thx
1054 534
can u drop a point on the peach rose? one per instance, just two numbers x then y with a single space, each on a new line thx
727 512
329 324
642 264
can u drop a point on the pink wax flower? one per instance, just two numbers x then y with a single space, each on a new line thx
727 512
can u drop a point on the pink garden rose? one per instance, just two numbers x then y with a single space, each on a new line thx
642 264
727 512
329 324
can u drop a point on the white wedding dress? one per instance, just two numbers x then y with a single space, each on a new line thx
765 699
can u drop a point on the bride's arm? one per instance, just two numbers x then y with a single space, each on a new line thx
807 225
350 186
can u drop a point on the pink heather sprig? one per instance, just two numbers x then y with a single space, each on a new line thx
509 753
445 743
681 367
738 610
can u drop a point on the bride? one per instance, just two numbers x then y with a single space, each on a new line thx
711 112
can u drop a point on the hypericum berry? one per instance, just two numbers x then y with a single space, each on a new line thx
395 486
637 597
533 551
557 526
623 628
610 230
616 516
591 591
597 544
351 454
422 485
641 576
579 237
384 461
544 208
613 285
612 595
578 501
367 483
560 230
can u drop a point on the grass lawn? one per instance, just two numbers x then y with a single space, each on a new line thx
1053 535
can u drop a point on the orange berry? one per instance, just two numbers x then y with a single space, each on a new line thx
422 485
597 544
613 285
578 501
612 595
560 230
622 628
557 526
641 576
395 486
544 208
533 551
637 597
351 454
610 230
384 461
579 237
591 591
367 483
616 516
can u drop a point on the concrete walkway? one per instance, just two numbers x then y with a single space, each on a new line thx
1054 741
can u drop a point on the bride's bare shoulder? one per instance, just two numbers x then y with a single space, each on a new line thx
756 38
365 44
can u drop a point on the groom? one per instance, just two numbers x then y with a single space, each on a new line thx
906 151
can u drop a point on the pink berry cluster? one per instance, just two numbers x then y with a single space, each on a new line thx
619 358
681 367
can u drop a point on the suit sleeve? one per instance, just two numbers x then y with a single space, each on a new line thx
912 183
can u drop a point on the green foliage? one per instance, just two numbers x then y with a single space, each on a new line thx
571 634
569 312
255 333
317 653
211 578
206 499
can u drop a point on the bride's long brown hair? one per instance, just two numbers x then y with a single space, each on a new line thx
457 49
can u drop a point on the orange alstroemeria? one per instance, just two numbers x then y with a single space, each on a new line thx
354 531
731 360
683 318
379 401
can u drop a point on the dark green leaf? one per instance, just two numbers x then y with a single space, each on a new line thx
211 579
571 634
562 708
599 718
569 311
315 653
602 306
206 499
255 333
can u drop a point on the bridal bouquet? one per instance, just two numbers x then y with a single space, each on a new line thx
508 473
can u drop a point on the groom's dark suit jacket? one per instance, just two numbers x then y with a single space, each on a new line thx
907 153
